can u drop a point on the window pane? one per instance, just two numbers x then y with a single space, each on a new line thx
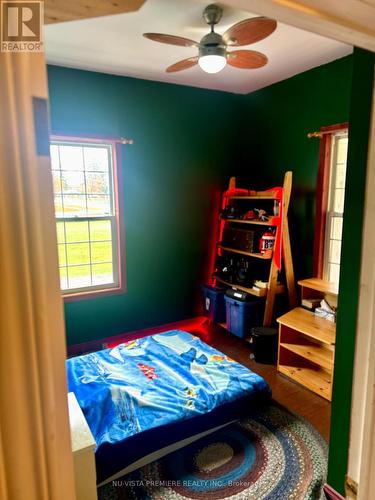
56 182
97 182
102 273
98 205
334 252
73 182
336 228
55 161
63 278
96 159
342 149
71 158
62 256
101 251
77 231
340 175
60 232
74 205
78 253
79 276
100 230
334 273
58 206
338 203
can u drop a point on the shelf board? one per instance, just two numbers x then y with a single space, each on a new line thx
274 221
260 195
249 254
315 379
319 355
320 285
309 324
258 292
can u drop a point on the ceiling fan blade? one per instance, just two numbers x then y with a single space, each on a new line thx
171 39
246 59
249 31
184 64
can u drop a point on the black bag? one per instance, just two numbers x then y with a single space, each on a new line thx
265 342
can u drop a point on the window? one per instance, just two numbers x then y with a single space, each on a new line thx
332 253
330 202
86 211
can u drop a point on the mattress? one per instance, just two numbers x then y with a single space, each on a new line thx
146 394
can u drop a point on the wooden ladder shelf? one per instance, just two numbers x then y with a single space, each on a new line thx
282 231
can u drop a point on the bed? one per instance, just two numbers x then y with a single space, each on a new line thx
147 397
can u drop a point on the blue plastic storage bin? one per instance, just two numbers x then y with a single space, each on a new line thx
213 303
243 316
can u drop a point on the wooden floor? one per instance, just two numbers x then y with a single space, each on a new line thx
289 394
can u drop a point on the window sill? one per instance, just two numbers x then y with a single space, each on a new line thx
94 294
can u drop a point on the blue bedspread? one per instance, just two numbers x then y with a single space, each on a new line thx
153 381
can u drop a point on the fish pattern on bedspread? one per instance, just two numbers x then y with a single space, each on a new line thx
153 381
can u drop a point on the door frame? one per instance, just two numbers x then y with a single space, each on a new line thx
349 21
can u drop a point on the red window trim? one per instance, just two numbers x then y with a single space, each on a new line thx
116 144
322 192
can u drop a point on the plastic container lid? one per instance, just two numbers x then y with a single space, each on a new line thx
263 331
213 288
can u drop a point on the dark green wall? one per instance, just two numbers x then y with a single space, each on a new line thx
187 143
360 115
277 120
183 139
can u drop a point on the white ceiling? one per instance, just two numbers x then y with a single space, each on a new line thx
115 45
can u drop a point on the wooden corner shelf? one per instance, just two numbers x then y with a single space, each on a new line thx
309 324
307 343
314 353
319 285
314 378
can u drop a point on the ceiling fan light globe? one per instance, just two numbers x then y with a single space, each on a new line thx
212 63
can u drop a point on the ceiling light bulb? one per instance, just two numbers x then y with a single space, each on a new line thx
212 63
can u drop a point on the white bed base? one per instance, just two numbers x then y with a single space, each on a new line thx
83 447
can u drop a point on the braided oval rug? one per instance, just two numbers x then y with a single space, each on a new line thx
273 455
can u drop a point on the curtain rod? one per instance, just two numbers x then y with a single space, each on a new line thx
117 140
320 134
91 138
125 140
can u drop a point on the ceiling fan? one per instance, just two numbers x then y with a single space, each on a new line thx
213 54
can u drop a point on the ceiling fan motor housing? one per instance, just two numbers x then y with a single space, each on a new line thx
212 45
212 14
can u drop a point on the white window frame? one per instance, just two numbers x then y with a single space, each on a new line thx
331 214
115 218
